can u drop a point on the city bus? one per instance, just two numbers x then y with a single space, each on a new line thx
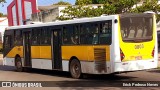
98 45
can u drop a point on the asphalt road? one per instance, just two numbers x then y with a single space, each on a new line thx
63 80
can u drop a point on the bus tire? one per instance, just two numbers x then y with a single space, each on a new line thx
75 69
18 64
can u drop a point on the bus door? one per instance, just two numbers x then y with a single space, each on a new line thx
56 49
27 48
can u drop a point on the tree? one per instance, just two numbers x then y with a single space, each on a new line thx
148 6
2 1
83 9
2 15
62 3
83 2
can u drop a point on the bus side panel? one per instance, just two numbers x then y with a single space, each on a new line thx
83 53
86 56
9 59
41 57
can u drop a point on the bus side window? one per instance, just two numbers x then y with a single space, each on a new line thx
7 41
45 36
105 32
95 34
36 36
86 35
18 37
67 35
95 39
75 35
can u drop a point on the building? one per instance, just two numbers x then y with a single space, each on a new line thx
50 13
3 25
19 11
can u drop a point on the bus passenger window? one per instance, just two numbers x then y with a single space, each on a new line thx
7 41
75 39
95 28
36 36
45 36
105 32
67 32
95 39
17 37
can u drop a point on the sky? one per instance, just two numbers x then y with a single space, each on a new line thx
3 8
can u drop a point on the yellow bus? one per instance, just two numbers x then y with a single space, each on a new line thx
98 45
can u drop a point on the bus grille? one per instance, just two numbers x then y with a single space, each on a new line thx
100 59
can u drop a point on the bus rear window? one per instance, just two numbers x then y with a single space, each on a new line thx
136 28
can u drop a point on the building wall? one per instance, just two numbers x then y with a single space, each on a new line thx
46 16
3 25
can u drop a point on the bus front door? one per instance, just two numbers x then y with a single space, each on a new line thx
56 50
27 48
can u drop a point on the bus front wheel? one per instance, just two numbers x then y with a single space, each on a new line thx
75 69
18 63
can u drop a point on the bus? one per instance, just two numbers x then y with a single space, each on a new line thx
99 45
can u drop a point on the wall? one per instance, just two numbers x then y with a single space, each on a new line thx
46 16
3 25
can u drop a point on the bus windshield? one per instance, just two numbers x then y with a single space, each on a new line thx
136 28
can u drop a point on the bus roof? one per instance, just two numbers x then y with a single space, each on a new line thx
78 20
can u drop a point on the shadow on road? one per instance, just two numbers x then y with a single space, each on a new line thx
67 74
7 68
109 77
155 71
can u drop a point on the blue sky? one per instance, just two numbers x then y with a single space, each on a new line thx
40 3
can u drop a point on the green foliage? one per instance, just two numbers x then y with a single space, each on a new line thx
62 3
83 9
148 6
2 1
83 2
2 15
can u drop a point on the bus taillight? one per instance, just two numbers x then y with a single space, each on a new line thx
153 52
122 55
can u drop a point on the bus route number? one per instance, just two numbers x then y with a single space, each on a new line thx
140 46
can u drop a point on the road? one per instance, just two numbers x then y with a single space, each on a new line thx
8 73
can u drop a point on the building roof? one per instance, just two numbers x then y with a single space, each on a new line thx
46 8
3 19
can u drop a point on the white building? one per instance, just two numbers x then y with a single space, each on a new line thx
3 25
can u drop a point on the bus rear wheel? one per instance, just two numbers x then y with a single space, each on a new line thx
75 69
18 64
